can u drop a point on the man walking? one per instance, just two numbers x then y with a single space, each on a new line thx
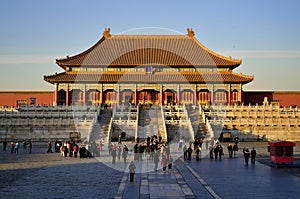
246 155
4 145
17 147
253 154
131 168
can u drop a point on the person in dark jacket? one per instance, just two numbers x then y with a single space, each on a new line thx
246 155
131 168
253 155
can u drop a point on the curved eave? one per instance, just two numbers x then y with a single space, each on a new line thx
235 62
63 61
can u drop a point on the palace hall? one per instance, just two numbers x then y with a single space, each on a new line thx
148 69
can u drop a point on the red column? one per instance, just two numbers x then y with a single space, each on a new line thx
178 94
101 95
165 96
118 94
195 97
240 95
160 95
67 95
84 95
229 95
212 95
135 95
55 94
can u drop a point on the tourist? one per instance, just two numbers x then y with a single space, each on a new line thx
167 149
125 153
230 150
131 168
101 144
114 155
246 155
65 150
211 152
189 151
109 148
221 152
206 144
185 153
164 162
82 151
69 148
180 145
56 146
75 150
12 147
198 152
235 149
49 147
4 144
119 152
30 145
62 150
170 162
24 144
135 151
216 151
236 140
253 155
156 160
17 147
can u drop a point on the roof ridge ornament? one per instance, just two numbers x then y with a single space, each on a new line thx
190 32
106 33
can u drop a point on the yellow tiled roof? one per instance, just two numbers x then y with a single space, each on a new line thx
135 50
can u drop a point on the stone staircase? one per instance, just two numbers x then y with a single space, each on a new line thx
101 125
124 123
197 121
150 123
178 125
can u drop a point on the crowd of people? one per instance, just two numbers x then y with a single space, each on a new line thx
14 146
71 149
216 150
152 149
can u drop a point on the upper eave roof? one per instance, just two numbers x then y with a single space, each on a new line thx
158 77
136 50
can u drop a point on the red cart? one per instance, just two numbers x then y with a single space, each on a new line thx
281 153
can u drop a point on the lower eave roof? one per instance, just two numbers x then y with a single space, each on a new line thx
159 77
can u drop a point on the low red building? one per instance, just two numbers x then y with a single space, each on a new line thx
284 98
17 98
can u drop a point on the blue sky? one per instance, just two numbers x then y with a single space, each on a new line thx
264 34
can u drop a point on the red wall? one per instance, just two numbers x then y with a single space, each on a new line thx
9 98
285 98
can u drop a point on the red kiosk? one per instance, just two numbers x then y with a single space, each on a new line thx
281 153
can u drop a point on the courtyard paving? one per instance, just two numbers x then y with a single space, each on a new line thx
48 175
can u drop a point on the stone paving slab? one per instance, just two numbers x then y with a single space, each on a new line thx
41 175
230 178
